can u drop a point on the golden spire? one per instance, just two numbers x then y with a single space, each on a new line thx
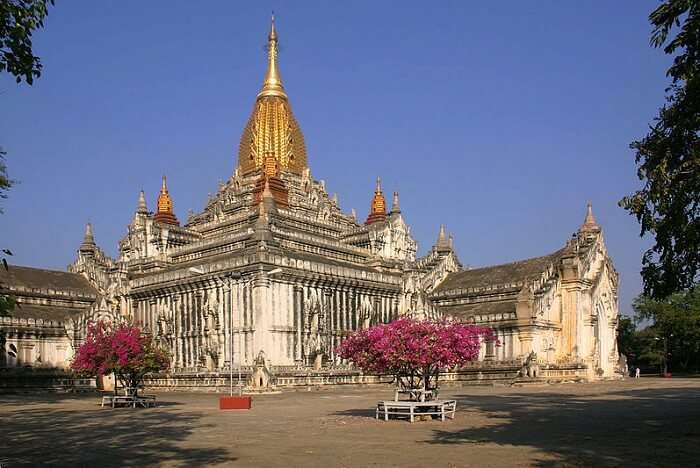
272 128
272 86
164 213
378 207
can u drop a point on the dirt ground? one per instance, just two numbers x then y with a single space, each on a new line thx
645 422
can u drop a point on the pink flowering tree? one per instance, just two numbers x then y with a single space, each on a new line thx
414 351
120 348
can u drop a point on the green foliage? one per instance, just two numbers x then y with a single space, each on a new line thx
18 20
7 302
668 159
626 331
677 320
5 181
674 332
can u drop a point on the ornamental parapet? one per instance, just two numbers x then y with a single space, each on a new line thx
180 254
491 318
331 245
492 288
210 227
29 323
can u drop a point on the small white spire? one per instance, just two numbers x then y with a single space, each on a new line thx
142 207
395 208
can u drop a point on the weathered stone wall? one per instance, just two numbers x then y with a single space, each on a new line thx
23 380
34 342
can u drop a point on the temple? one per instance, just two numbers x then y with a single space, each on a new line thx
273 268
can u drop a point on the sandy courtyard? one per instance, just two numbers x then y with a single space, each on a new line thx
646 422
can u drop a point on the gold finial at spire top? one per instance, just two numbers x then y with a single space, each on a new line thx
272 86
273 34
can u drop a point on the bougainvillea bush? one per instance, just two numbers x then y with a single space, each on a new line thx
414 351
120 348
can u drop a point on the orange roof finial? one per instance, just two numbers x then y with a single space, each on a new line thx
378 208
164 213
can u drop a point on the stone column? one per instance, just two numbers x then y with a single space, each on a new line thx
298 324
352 309
327 318
260 314
175 329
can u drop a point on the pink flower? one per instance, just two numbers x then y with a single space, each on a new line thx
120 348
406 347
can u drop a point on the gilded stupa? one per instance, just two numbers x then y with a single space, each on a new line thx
272 128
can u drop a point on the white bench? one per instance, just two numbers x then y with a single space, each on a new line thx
442 408
416 394
129 400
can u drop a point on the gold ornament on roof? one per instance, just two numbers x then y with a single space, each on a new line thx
272 128
378 208
164 213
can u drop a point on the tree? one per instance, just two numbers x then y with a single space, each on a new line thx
18 20
414 351
626 332
668 159
675 332
5 181
120 348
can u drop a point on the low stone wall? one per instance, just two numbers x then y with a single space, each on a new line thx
291 377
27 380
282 378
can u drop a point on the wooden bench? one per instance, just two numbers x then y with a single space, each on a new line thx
411 409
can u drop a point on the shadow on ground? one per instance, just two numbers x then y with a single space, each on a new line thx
85 436
636 427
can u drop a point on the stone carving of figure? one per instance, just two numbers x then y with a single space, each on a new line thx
367 314
314 347
261 377
531 368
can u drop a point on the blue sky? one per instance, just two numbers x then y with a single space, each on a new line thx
499 119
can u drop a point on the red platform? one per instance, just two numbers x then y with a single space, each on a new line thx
235 402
